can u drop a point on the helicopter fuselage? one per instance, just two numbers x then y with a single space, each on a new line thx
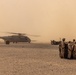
16 38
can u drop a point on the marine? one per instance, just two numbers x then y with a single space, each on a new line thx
67 49
63 49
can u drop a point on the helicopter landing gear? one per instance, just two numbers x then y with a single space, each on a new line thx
15 42
29 41
7 42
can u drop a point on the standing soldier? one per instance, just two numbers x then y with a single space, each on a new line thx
63 42
63 49
73 46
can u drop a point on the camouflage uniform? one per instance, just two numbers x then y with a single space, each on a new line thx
63 49
71 49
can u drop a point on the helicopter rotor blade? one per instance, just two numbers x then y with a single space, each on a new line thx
34 35
23 34
34 40
16 33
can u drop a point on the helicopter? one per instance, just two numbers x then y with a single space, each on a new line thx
17 37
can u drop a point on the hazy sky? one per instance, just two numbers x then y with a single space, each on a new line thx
51 19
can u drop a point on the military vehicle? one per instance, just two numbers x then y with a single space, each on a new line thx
53 42
17 37
68 51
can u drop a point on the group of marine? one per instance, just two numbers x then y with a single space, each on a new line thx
67 49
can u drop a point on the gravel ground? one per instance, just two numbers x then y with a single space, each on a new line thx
34 59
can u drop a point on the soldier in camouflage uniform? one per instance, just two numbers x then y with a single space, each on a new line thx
73 49
63 49
67 49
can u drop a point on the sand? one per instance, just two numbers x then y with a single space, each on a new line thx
34 59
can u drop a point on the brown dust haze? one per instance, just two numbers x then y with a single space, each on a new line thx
51 19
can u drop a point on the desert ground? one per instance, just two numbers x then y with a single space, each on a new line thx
34 59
